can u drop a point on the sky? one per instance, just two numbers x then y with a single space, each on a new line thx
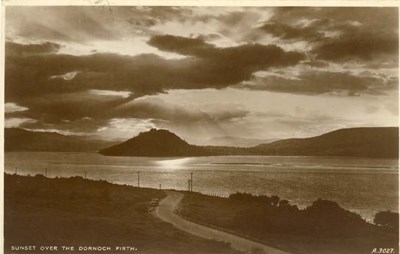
201 72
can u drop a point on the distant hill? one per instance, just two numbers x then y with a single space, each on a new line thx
155 143
16 139
380 142
360 142
238 141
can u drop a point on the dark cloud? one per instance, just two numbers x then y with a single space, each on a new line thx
288 32
15 49
311 30
52 108
374 18
339 34
248 57
352 41
141 17
30 76
324 82
181 45
143 74
363 46
30 79
41 31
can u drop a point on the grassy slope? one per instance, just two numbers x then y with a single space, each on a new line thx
221 212
42 211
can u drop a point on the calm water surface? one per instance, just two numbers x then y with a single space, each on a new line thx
359 184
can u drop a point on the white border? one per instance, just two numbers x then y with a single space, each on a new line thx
221 3
294 3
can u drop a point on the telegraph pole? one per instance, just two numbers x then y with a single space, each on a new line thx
191 181
85 174
45 172
138 179
188 184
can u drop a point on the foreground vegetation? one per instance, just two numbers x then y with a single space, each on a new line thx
323 227
79 212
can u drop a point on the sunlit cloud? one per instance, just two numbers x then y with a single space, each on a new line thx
15 122
62 132
128 46
11 107
123 128
66 76
122 94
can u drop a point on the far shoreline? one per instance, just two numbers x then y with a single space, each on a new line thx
207 156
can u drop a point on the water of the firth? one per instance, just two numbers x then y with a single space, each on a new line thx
362 185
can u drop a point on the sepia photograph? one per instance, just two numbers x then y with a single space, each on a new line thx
200 129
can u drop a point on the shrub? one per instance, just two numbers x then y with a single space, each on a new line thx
388 220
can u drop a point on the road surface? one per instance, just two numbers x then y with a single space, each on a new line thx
166 211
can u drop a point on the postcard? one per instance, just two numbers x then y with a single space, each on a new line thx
201 127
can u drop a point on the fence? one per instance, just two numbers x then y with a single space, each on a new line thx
136 180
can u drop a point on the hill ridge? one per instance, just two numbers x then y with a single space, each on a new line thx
373 142
379 142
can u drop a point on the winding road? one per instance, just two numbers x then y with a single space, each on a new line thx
166 212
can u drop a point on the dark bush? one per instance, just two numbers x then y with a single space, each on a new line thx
323 218
388 220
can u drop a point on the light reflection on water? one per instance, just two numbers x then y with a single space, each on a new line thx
174 164
363 185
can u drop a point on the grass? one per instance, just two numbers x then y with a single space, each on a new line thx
248 218
79 212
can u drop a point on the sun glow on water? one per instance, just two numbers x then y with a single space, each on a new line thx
174 164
